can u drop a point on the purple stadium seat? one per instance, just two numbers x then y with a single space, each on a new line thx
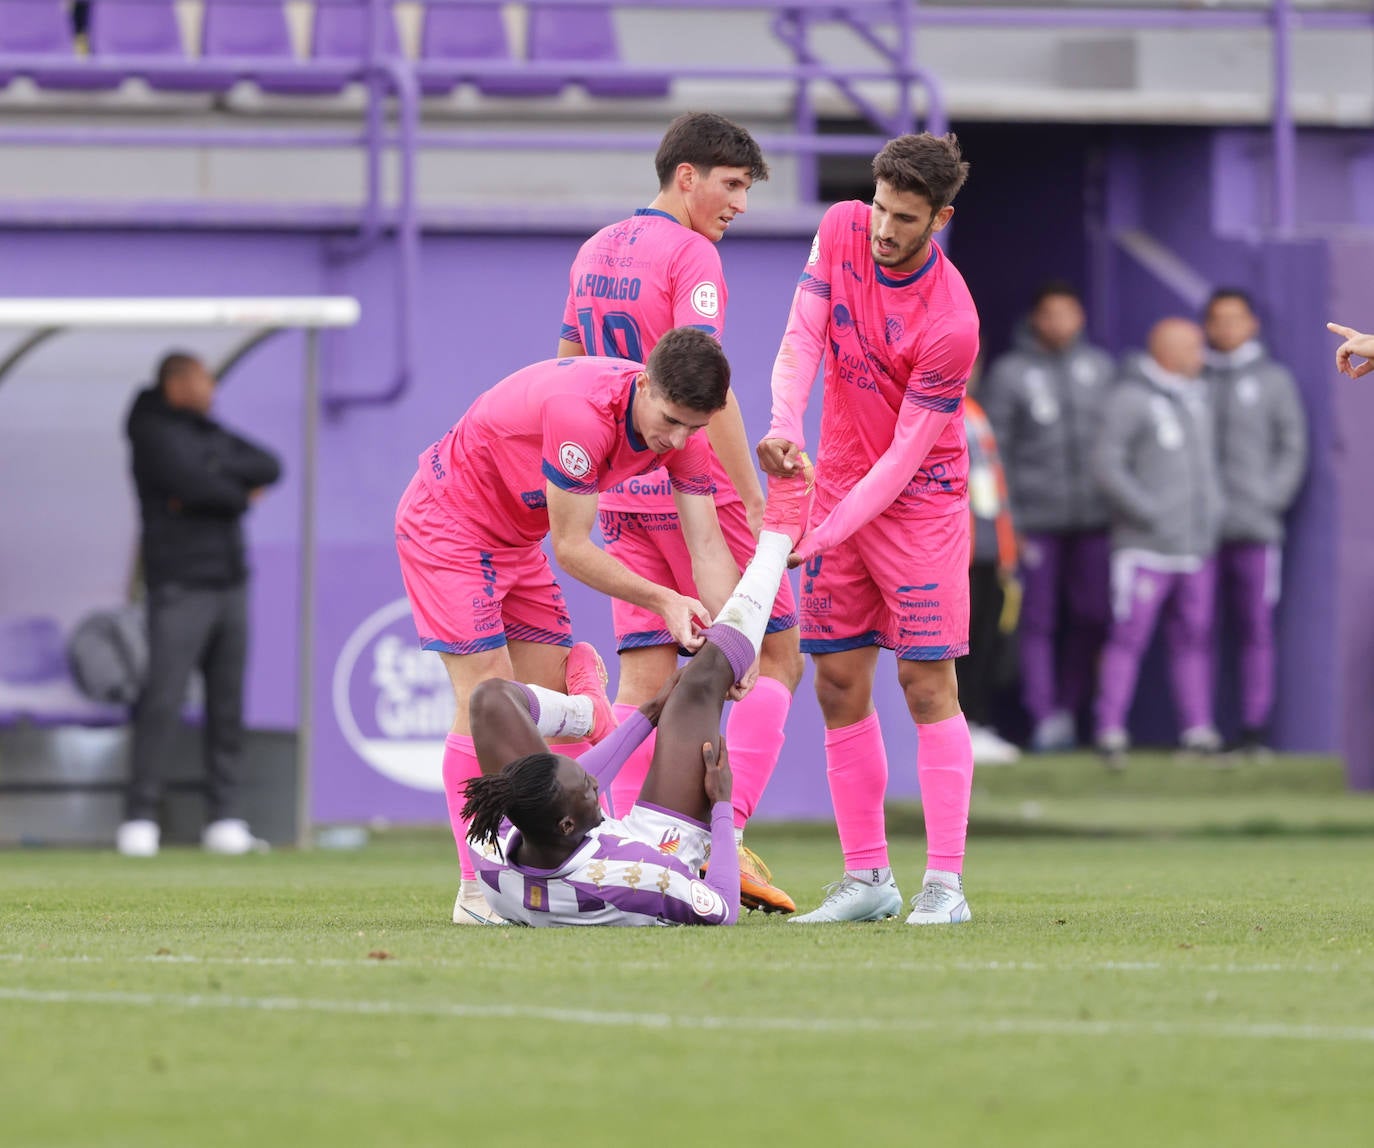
338 36
457 33
257 31
32 651
149 28
585 33
35 682
29 27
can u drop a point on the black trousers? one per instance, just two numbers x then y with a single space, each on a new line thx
977 671
190 627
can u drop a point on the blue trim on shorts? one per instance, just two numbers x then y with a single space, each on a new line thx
476 646
643 639
930 653
534 634
780 623
839 645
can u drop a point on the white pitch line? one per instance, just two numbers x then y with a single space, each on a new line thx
1031 1026
813 967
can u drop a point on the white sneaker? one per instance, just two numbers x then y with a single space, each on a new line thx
939 904
989 748
1054 734
231 837
138 838
1200 739
849 899
471 908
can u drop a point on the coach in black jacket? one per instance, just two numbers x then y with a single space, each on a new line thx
195 480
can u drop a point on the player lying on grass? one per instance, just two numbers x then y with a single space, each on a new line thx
545 853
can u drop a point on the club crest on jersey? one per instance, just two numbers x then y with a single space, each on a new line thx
706 300
671 841
894 329
573 459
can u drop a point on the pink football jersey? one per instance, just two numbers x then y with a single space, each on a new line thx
562 421
630 284
889 342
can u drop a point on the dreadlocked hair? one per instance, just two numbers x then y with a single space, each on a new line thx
526 792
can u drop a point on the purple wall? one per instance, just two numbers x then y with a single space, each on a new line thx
489 304
1185 188
1352 302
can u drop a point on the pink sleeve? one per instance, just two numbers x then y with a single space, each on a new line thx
577 440
934 390
690 468
572 330
699 289
803 344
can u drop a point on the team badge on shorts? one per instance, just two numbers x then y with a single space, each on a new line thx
574 461
671 841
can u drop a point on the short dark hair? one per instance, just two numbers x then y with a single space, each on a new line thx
526 793
691 370
930 166
706 140
1221 294
1055 289
173 364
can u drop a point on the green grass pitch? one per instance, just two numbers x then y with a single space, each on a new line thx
1175 957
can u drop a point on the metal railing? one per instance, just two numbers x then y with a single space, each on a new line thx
392 114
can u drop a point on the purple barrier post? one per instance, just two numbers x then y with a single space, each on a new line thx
1284 132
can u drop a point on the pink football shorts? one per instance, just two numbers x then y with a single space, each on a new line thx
651 546
468 594
900 583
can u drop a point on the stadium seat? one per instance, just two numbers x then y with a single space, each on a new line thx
32 651
149 28
576 33
29 27
258 31
454 34
35 684
340 33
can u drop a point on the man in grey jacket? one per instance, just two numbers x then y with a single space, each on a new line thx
1156 466
1261 432
1044 399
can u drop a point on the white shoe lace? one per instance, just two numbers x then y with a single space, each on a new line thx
837 891
935 897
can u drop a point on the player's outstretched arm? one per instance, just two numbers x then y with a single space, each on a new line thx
714 569
1356 345
730 441
794 369
571 517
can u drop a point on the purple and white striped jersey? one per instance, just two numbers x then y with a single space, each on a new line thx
612 879
638 871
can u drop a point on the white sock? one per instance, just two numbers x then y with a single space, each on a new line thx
751 605
871 876
562 715
945 877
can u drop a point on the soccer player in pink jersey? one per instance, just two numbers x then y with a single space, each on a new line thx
631 282
527 461
886 557
546 855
